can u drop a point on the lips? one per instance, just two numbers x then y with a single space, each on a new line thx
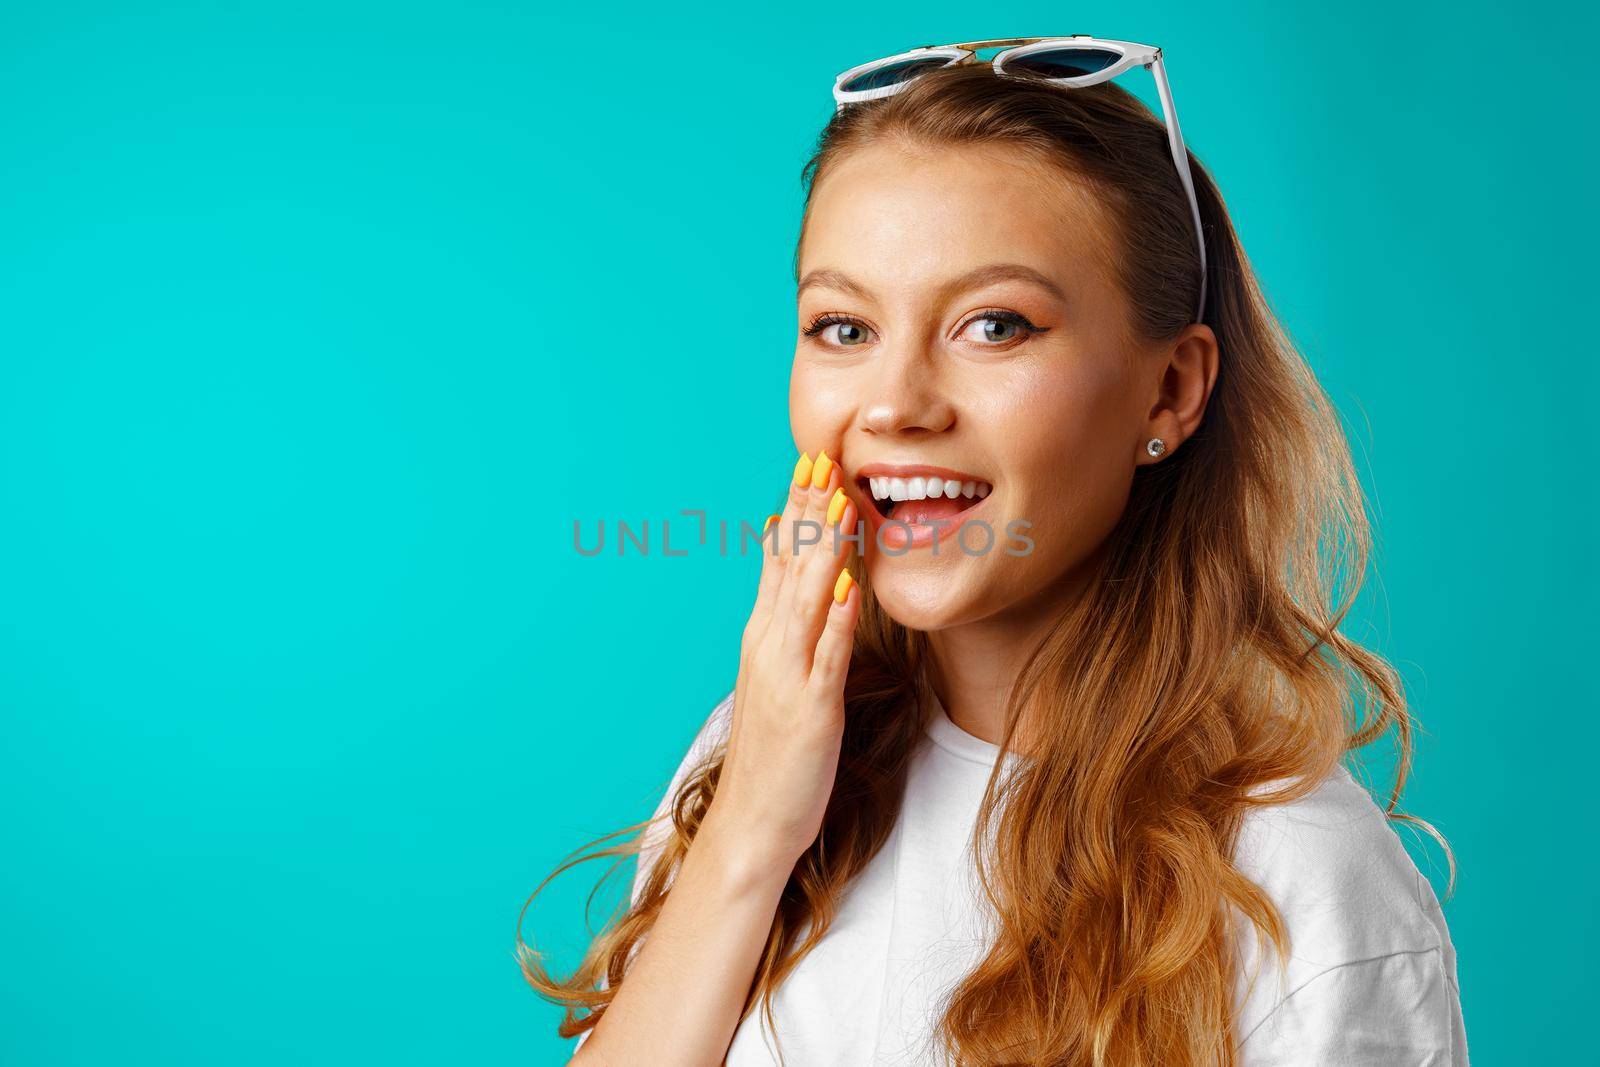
929 501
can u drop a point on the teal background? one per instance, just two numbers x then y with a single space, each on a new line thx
322 322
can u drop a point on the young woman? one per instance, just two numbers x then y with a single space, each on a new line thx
1044 768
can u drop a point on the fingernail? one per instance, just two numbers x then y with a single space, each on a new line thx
770 520
836 506
802 471
821 472
841 588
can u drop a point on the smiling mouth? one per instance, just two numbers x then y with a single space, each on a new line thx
921 500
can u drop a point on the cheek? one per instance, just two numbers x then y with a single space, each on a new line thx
820 405
1067 453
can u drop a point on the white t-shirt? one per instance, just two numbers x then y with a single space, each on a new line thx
1371 979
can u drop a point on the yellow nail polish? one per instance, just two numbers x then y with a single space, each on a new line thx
802 471
822 471
841 588
836 506
770 520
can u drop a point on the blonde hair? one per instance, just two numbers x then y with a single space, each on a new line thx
1201 676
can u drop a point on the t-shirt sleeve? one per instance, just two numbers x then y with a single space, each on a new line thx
1398 1009
712 732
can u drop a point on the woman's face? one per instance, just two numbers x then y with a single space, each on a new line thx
960 321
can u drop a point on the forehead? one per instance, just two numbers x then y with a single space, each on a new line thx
896 217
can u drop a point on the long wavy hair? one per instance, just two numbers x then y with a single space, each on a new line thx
1201 676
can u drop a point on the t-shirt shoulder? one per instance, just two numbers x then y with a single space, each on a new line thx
1337 870
1356 909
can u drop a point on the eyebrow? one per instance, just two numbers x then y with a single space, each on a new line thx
973 279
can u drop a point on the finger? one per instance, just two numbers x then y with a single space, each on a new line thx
812 539
774 547
807 531
831 663
803 619
770 567
842 538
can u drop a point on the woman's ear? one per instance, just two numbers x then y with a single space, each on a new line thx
1185 370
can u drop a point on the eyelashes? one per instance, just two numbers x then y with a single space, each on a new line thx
1009 318
822 322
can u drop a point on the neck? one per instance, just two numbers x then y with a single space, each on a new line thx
975 666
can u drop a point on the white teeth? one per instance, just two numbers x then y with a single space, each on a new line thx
926 488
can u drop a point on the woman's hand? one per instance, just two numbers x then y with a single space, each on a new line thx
685 992
788 714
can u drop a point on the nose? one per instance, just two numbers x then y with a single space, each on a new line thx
907 394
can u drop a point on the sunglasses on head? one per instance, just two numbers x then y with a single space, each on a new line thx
1069 62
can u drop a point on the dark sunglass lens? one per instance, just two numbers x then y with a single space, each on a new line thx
1071 62
892 73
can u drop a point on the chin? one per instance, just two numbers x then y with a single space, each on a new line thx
922 598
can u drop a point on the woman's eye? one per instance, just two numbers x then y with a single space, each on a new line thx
849 334
998 328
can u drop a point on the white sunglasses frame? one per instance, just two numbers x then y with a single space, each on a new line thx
1147 56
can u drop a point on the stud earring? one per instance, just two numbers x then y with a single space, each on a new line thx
1156 446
